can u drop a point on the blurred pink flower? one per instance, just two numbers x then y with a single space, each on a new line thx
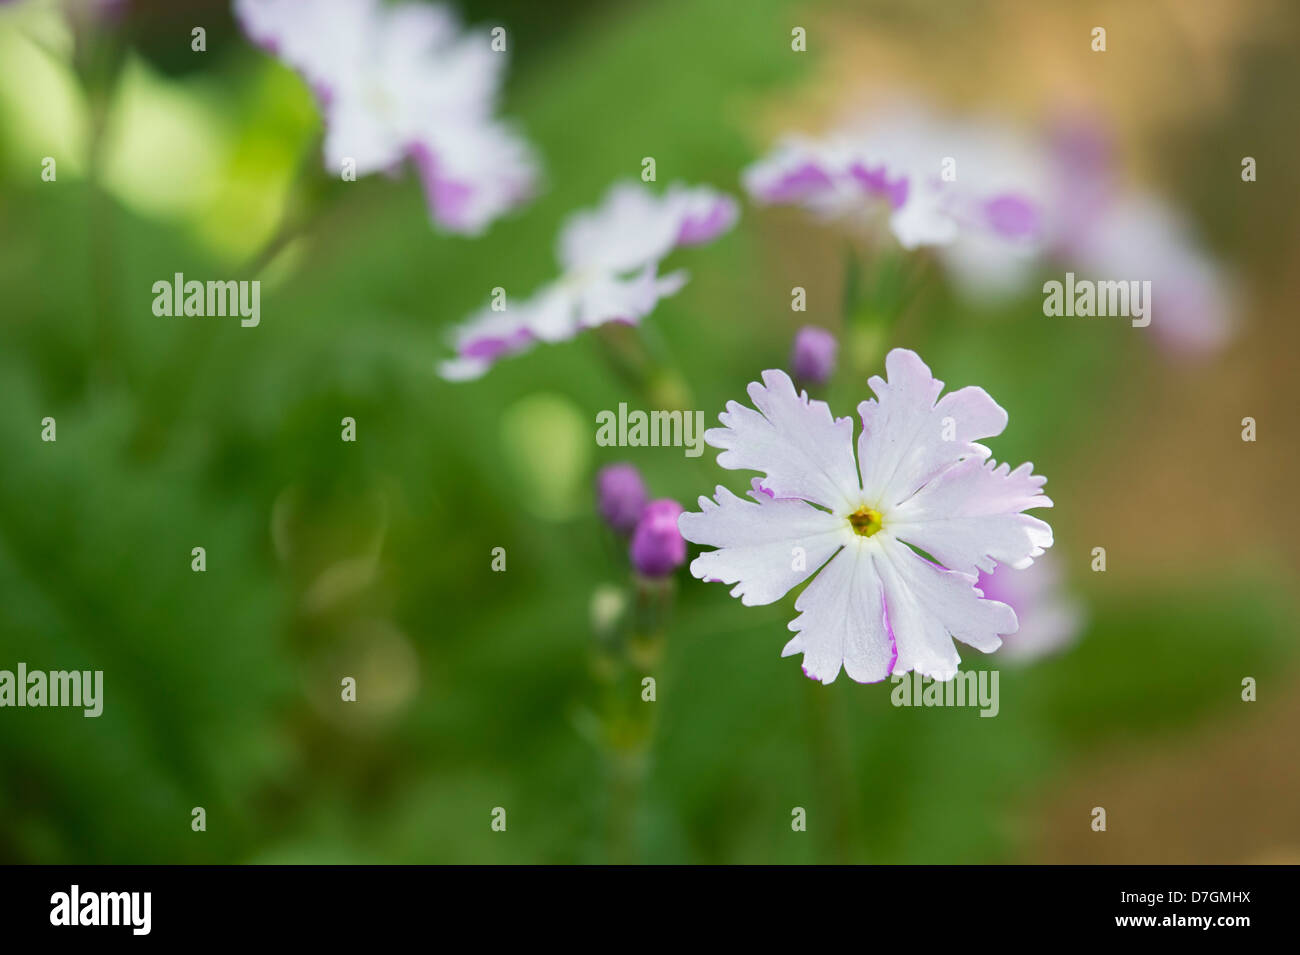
1138 237
1105 229
1050 619
919 483
620 496
610 259
812 358
403 82
657 548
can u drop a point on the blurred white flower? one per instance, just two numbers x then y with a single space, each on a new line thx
609 257
403 82
974 189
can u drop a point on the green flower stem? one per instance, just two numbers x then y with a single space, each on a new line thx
627 721
643 364
304 208
833 771
97 61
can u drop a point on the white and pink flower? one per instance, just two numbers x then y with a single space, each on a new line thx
996 205
895 538
609 259
399 83
975 189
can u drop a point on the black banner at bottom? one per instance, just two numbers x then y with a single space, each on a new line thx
303 903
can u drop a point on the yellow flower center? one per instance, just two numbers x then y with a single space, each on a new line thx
865 521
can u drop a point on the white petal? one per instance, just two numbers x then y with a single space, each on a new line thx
472 172
551 315
757 543
928 606
354 131
922 220
802 451
463 369
809 173
421 51
988 268
702 213
634 226
842 620
907 438
609 298
670 284
631 228
797 170
489 335
321 40
968 518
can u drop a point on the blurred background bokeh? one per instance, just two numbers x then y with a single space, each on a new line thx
479 689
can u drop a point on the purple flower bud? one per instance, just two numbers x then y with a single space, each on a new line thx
620 496
657 546
813 359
